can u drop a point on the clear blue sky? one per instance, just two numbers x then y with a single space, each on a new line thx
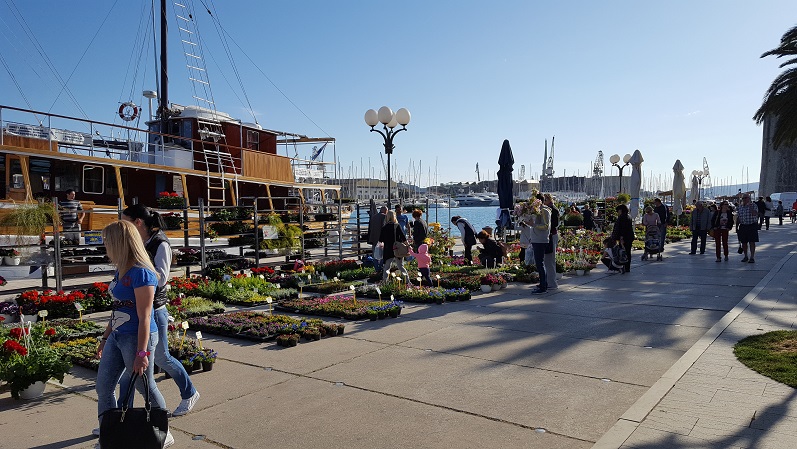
676 79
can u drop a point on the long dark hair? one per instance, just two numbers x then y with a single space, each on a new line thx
622 209
152 220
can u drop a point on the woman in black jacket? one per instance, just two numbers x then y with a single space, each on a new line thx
390 234
624 233
419 229
491 255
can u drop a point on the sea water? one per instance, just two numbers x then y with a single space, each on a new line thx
479 217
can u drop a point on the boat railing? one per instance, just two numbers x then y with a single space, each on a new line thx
64 134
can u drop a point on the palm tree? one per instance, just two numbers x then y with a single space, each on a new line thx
780 101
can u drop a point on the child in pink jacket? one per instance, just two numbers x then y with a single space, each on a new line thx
424 260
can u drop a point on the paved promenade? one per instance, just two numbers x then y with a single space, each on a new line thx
641 360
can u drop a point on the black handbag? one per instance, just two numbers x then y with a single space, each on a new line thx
134 428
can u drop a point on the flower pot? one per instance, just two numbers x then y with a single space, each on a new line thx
504 285
496 287
381 314
486 288
11 261
9 318
33 391
207 366
394 313
197 365
372 317
579 272
189 369
439 300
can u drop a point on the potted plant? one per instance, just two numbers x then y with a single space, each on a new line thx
372 315
208 358
487 281
173 200
188 364
27 361
9 311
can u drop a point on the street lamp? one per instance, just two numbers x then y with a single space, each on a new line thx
700 175
615 159
389 121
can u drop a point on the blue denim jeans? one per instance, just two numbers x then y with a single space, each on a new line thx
117 356
164 359
539 258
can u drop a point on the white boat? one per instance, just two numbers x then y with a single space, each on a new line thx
473 200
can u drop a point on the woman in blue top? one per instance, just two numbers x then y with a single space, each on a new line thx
129 340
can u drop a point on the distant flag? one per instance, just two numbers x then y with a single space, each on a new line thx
317 151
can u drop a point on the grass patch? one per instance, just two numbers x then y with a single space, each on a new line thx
773 354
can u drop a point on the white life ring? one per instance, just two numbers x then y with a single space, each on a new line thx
128 111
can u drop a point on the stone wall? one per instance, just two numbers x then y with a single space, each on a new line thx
778 167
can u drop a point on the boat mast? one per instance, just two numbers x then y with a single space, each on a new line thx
164 87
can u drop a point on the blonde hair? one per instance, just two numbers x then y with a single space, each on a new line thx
125 248
648 209
390 217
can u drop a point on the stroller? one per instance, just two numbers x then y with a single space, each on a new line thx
615 258
652 243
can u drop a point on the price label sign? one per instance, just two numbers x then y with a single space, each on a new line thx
352 287
78 306
392 298
335 279
269 300
198 335
378 291
301 284
184 325
438 277
43 313
277 285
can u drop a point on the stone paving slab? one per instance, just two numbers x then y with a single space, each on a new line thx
600 360
315 413
564 404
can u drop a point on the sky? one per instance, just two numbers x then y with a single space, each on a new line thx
675 80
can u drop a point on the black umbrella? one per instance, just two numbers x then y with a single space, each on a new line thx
505 197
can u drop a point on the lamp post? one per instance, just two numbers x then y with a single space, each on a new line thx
700 175
389 121
615 159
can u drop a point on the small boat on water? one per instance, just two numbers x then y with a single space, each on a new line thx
475 200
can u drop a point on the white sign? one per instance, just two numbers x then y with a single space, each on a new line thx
43 313
268 299
78 306
378 291
303 172
184 325
198 335
270 232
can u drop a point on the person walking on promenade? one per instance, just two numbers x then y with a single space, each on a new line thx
762 207
538 220
794 211
699 225
424 261
664 217
553 242
722 223
747 218
779 212
769 210
467 234
589 219
650 218
419 229
391 233
149 224
375 223
129 340
624 232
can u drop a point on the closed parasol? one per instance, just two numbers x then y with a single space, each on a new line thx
678 188
505 196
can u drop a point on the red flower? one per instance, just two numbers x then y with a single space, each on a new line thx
174 194
162 194
18 332
49 332
2 318
10 347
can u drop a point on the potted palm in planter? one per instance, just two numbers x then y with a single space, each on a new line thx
27 361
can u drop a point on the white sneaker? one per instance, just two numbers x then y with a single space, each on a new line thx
169 439
186 405
96 431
